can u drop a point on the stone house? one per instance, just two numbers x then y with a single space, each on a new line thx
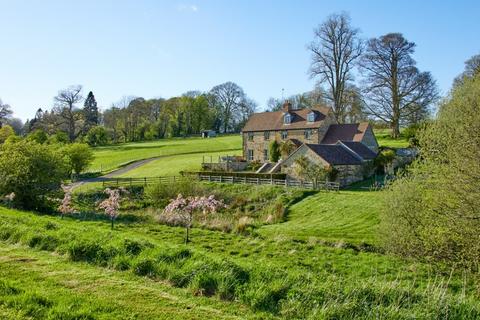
310 129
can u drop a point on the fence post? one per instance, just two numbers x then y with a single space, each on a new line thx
145 181
117 182
173 179
258 180
271 179
286 181
220 178
130 182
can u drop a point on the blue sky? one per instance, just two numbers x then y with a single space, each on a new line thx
164 48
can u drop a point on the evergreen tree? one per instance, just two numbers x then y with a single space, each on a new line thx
90 111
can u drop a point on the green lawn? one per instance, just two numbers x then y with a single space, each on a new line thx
112 157
172 165
333 216
385 140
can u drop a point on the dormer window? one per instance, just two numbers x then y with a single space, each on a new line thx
311 116
287 118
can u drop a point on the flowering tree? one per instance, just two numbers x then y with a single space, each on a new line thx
66 205
111 205
180 210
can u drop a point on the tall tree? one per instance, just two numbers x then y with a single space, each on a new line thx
228 97
394 87
5 113
472 67
65 102
90 112
334 50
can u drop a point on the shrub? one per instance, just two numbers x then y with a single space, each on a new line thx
79 157
274 151
6 131
33 172
432 211
97 136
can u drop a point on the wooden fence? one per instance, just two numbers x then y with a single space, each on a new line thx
322 185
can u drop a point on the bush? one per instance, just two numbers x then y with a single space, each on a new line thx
33 172
79 157
432 211
6 131
38 136
97 136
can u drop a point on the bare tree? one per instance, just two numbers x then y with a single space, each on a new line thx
65 102
5 113
394 87
228 98
472 67
335 48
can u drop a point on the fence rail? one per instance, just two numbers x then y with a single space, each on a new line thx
319 185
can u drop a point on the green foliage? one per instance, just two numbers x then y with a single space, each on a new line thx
38 136
31 171
97 136
384 159
432 212
274 151
60 137
5 132
79 157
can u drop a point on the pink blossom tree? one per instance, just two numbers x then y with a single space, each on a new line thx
66 205
181 210
111 205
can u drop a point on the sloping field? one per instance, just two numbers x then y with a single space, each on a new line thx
112 157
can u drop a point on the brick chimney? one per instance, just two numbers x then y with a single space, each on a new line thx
287 106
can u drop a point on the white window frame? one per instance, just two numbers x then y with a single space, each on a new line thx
250 136
311 117
266 135
250 154
286 135
265 154
287 118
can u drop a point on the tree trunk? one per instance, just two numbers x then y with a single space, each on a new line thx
187 240
112 223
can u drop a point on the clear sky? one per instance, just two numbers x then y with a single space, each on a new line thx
165 48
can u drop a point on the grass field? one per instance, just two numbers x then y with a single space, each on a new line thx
112 157
384 139
172 165
350 216
313 266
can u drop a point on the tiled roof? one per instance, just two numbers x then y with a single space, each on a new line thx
335 154
274 120
345 132
359 148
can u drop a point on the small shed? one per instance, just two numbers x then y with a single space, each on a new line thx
208 134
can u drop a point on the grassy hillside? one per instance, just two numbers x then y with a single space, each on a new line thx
172 165
274 273
350 216
111 157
